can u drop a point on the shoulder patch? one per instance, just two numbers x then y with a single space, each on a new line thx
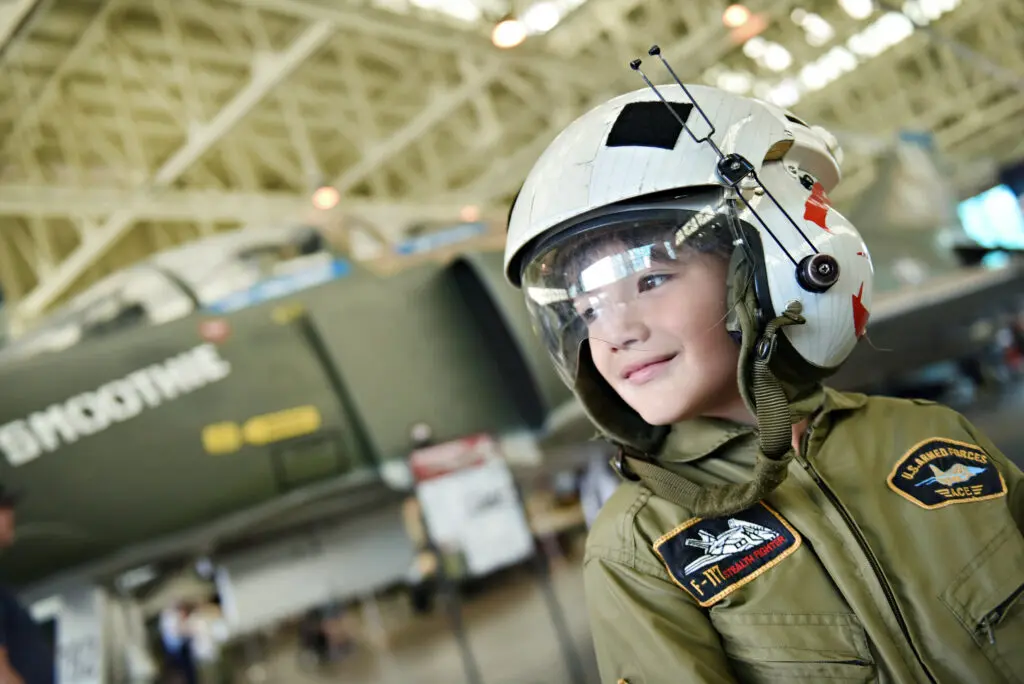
712 557
940 472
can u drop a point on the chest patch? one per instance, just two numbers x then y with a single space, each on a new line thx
712 557
941 472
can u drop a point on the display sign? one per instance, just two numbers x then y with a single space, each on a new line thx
282 286
80 637
441 238
470 503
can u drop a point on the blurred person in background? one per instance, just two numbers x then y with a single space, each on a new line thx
26 656
326 635
339 627
175 633
422 575
597 484
208 631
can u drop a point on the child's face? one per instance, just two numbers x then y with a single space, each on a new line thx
658 337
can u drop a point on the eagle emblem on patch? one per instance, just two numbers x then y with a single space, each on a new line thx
940 472
712 557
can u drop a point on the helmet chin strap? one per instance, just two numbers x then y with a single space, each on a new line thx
769 403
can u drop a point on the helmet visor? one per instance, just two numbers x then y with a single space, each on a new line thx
592 280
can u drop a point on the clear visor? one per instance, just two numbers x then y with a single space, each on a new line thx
601 279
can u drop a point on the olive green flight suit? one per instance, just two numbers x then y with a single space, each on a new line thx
892 552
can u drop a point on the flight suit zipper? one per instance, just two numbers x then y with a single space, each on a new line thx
986 627
890 597
988 623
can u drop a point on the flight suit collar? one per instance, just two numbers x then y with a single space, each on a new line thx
842 401
700 437
695 439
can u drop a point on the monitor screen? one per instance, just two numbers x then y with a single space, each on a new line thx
994 218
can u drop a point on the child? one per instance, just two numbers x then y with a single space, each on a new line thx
694 287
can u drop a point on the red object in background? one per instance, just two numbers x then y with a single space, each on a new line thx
215 330
1014 353
459 454
1014 358
753 26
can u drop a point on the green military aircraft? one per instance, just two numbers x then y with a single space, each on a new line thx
127 437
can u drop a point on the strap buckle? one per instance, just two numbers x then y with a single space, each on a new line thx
622 468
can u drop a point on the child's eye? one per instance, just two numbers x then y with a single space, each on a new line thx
586 309
649 282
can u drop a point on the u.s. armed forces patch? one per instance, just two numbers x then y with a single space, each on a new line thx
940 472
712 557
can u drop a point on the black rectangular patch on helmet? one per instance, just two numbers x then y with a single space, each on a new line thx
940 472
712 557
649 124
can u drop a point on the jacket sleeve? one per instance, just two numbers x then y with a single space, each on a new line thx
647 631
1010 472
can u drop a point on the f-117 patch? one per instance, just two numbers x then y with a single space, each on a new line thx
941 472
712 557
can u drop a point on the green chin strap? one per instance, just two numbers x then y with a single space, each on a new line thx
777 408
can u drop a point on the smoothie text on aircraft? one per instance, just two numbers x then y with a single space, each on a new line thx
91 412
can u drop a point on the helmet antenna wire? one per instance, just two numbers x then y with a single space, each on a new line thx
817 272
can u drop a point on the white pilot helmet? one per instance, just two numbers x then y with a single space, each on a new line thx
629 171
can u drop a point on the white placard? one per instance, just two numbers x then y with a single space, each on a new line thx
477 510
80 650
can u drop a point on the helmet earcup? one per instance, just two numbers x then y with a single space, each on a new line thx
741 283
734 294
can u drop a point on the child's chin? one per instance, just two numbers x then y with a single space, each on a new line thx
663 415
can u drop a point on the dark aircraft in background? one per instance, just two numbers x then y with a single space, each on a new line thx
139 441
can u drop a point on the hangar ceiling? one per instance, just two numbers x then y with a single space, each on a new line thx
128 126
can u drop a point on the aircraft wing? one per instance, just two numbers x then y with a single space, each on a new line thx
342 496
946 318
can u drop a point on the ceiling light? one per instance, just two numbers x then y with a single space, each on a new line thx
912 9
762 90
827 68
541 17
857 9
755 47
842 58
817 39
508 34
735 16
711 74
777 58
887 31
814 77
326 197
927 11
895 27
738 82
464 10
818 30
785 94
